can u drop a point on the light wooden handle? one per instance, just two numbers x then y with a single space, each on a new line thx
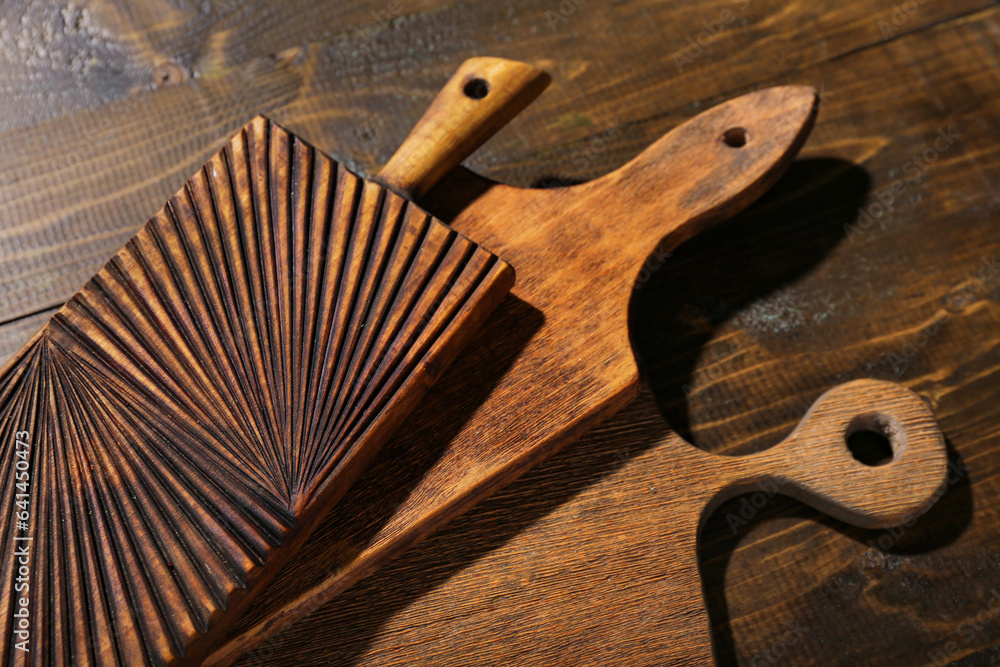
814 465
707 169
482 96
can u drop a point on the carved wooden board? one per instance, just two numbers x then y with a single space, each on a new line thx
562 342
178 428
195 408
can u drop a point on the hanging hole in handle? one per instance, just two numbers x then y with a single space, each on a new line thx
874 439
735 137
476 89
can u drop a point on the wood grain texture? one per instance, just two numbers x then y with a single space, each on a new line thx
231 371
481 97
346 81
634 596
577 270
735 350
196 407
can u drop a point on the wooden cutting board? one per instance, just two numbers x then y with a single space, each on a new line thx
555 359
179 427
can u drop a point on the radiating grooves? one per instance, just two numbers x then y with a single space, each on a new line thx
271 323
410 310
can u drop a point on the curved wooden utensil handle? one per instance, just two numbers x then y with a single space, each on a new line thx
710 167
694 176
479 99
814 465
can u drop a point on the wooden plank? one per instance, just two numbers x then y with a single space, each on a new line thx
919 85
778 307
90 173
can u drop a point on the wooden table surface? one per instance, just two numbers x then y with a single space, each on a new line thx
876 256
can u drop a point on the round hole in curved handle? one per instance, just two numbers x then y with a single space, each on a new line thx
711 166
815 464
482 96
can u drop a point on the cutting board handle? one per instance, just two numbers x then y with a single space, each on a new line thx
703 171
482 96
814 464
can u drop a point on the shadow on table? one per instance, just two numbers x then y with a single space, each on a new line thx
824 194
943 523
707 282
